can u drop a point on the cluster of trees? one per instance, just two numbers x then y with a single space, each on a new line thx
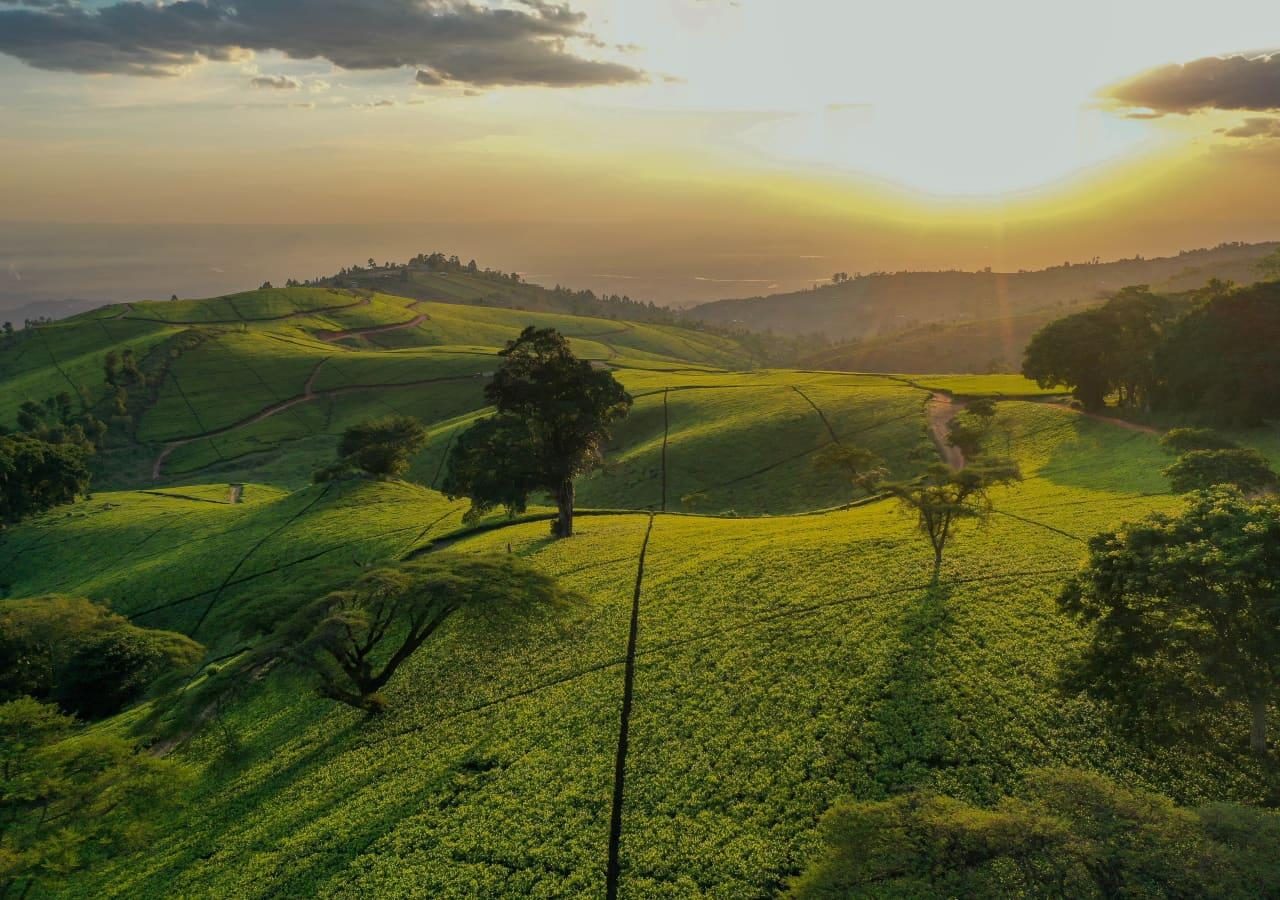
1063 833
1214 357
1103 351
37 474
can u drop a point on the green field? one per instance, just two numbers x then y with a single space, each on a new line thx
789 650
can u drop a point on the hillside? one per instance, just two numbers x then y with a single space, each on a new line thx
781 662
780 647
886 304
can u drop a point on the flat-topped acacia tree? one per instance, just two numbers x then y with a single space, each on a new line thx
552 421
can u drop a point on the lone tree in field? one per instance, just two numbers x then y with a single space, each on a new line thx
355 640
944 497
554 412
1186 612
382 447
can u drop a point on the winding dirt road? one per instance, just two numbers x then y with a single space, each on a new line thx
940 410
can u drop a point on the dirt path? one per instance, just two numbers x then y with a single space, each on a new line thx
157 468
1110 420
332 336
940 410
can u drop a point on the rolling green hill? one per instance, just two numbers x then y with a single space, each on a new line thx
777 647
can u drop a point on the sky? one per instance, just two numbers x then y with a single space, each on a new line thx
687 148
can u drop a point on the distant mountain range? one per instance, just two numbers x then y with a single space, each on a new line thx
887 303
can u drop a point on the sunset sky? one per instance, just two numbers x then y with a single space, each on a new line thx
652 135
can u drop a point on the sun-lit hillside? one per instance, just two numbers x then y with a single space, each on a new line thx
781 662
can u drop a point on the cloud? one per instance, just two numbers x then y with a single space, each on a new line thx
1214 82
275 82
429 77
458 40
1255 127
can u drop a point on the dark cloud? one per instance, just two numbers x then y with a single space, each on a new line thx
429 77
1257 126
457 40
275 82
1232 82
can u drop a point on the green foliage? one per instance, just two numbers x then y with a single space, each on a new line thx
1185 439
1104 350
69 799
943 498
1220 360
1199 470
494 464
355 640
36 475
383 447
1184 613
87 659
1065 833
556 409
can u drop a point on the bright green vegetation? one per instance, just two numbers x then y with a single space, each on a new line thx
786 658
781 664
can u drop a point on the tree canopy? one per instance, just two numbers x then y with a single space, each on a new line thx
354 640
382 447
942 498
1102 351
553 416
37 474
1064 833
69 798
89 660
1198 470
1185 615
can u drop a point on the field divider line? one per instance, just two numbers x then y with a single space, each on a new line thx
821 415
254 549
613 864
666 434
1065 534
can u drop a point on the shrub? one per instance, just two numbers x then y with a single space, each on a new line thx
87 659
1183 440
1066 833
1199 470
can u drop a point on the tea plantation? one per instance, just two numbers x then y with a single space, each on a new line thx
765 644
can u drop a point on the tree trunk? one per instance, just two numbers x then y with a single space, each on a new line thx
937 563
1258 729
564 500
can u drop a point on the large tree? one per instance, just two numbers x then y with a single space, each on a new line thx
943 498
1186 613
553 417
354 640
